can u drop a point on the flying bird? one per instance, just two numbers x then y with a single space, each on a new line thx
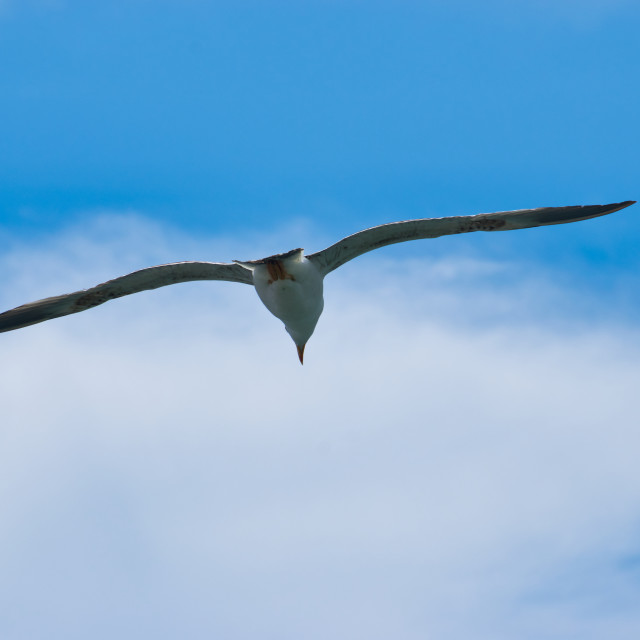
290 284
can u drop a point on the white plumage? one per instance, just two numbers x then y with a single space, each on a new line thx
290 284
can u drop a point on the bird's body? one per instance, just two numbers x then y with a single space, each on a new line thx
290 284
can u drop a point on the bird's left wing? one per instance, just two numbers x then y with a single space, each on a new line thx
150 278
352 246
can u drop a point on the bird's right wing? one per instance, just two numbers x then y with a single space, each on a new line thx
150 278
352 246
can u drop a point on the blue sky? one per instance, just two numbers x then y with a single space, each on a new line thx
457 458
221 115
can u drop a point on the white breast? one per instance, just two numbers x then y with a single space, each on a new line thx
292 292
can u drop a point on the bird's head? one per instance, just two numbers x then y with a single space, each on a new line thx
301 332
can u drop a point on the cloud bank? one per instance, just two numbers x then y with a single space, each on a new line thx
458 457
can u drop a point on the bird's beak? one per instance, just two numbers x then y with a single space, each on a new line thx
300 352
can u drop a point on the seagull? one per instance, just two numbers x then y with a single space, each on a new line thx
290 284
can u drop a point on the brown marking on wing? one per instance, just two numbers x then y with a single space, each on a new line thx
486 224
277 271
94 298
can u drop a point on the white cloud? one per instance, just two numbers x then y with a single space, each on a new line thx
450 462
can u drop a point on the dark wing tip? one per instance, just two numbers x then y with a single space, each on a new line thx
36 312
622 205
616 206
560 215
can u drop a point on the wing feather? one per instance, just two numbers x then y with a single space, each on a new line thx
355 245
150 278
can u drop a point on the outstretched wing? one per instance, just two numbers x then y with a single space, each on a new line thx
150 278
352 246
